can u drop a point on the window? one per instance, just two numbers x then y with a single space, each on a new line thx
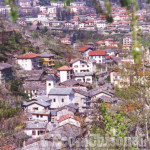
82 65
54 100
88 79
62 100
37 116
33 133
41 116
35 108
76 70
76 66
77 104
49 84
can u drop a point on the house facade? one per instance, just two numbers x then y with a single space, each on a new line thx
28 61
98 56
80 65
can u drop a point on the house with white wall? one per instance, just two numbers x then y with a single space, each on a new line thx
127 40
37 110
81 100
24 3
58 4
61 97
28 61
50 83
66 41
80 65
84 77
71 119
35 129
65 73
98 56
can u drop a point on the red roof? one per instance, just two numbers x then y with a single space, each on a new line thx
83 49
28 56
141 73
65 117
64 68
97 53
70 116
89 21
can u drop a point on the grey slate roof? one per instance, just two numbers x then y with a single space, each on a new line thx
61 91
44 98
82 92
36 125
45 54
72 82
96 91
42 103
82 74
51 78
4 66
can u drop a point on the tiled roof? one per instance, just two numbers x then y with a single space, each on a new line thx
83 49
64 68
73 82
69 116
97 53
61 91
65 117
28 56
89 21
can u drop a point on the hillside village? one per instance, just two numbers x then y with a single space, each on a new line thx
62 98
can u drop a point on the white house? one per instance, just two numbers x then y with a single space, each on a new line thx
61 97
71 119
80 65
98 56
35 129
37 110
81 100
28 61
77 3
51 10
58 4
65 73
84 77
25 3
127 40
101 24
66 41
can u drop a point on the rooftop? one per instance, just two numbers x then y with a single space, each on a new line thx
61 91
83 49
28 56
97 53
36 125
64 68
